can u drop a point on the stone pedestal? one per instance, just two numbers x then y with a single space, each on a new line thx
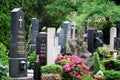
23 78
16 67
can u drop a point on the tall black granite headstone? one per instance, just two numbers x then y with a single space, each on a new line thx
91 39
116 43
34 33
94 39
118 29
41 47
17 61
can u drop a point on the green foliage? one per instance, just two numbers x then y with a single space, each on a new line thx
87 78
31 59
5 29
51 69
3 54
104 54
3 72
112 65
111 75
97 65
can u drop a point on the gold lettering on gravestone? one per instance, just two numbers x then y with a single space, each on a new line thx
21 20
20 36
20 32
21 46
20 51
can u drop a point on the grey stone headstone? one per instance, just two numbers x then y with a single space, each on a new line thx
60 36
17 61
67 32
85 31
34 32
73 24
41 47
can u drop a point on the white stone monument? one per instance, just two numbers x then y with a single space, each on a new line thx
51 55
113 34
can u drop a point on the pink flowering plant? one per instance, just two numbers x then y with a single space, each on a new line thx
73 67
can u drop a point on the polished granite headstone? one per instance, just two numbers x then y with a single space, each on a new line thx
34 33
17 60
41 47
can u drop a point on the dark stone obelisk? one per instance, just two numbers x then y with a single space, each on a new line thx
17 60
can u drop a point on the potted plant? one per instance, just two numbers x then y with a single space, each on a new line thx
99 75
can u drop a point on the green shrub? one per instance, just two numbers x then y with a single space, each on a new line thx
112 65
97 65
31 59
3 54
111 75
3 72
51 69
104 54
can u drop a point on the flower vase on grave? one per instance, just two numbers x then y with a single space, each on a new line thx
99 75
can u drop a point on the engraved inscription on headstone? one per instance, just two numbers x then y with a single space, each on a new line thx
41 47
20 42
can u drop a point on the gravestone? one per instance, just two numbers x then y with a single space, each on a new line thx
94 39
98 39
85 27
60 34
118 29
41 48
57 47
73 24
51 55
34 33
91 39
116 43
85 31
66 31
17 60
113 34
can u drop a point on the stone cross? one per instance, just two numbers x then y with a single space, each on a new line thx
21 20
